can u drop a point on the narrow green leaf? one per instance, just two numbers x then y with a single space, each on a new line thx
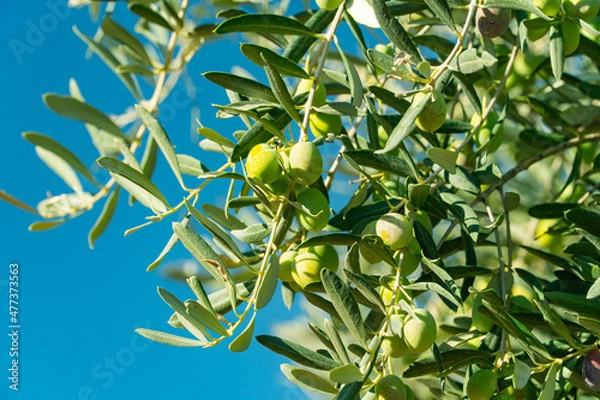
71 108
354 81
307 380
383 162
268 284
469 61
557 54
61 168
205 317
406 125
297 353
252 234
336 341
521 374
451 359
53 146
110 60
366 290
215 137
190 165
444 158
284 65
162 139
594 290
346 374
551 210
244 86
575 302
168 247
547 392
243 340
45 225
464 212
203 252
585 219
280 90
556 322
218 215
394 30
263 23
441 10
190 323
105 217
112 29
136 183
345 304
335 239
167 338
16 202
149 15
469 90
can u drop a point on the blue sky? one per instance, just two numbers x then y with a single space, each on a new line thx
78 308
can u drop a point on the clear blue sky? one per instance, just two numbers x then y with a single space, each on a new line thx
78 307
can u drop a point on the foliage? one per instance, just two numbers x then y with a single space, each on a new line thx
471 131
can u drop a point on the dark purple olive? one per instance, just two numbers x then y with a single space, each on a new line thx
591 369
492 22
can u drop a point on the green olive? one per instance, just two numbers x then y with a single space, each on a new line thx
570 32
280 186
321 124
485 138
390 387
420 331
318 206
424 220
534 35
286 265
548 7
393 346
482 385
329 4
306 163
395 230
434 114
492 22
584 9
327 254
262 165
307 269
320 96
411 261
482 323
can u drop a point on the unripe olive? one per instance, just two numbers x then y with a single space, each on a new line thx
391 185
419 332
548 7
591 369
318 206
262 165
536 34
327 254
306 163
321 124
307 269
395 230
390 387
584 9
320 96
482 323
329 4
570 32
424 220
280 186
434 114
393 346
410 262
286 265
484 136
492 22
387 295
482 385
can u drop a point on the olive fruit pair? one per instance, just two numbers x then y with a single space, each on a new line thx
305 163
305 265
391 387
492 22
434 114
482 385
